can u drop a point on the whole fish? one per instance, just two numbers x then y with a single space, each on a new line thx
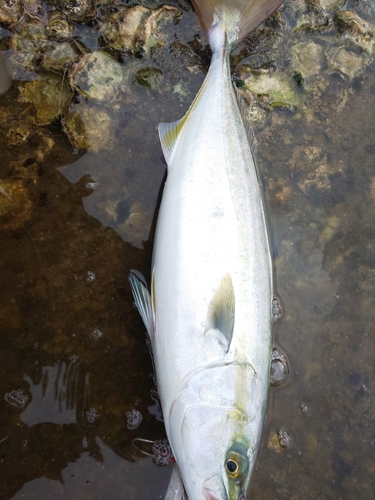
209 314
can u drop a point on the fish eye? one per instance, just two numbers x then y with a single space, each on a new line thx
235 464
231 466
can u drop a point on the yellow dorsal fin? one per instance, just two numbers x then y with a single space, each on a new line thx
169 133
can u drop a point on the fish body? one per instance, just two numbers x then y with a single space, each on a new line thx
209 315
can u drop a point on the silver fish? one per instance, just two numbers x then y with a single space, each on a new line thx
209 314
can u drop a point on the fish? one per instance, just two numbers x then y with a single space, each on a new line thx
209 309
5 80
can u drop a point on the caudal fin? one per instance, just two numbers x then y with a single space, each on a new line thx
240 17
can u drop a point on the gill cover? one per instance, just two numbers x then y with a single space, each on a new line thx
210 423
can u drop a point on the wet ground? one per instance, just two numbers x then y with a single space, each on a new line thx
80 175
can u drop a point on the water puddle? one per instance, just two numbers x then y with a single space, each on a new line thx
80 173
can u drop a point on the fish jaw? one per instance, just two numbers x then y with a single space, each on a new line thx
214 422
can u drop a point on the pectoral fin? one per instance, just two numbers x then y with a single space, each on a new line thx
220 315
142 299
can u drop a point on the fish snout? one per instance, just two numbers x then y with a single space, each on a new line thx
214 489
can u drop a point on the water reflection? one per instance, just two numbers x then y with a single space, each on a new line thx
54 399
108 477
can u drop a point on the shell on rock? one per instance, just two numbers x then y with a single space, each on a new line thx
121 28
78 10
137 28
349 62
97 76
354 28
137 225
90 127
276 88
308 58
330 5
15 203
58 57
59 28
10 11
49 94
20 61
149 77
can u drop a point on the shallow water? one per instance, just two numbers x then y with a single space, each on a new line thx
73 353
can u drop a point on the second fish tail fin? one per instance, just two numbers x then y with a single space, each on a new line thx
235 18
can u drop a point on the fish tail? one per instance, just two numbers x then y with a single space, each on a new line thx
235 18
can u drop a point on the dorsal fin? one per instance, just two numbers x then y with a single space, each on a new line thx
220 314
170 132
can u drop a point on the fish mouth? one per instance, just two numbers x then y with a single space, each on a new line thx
214 489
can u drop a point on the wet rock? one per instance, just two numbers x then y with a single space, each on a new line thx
351 24
332 225
137 225
137 28
306 158
280 190
10 11
97 76
149 77
15 203
58 58
5 79
276 20
313 22
49 95
276 88
34 9
349 62
153 33
18 134
330 5
308 58
58 27
318 179
76 131
31 29
20 59
78 10
90 127
357 30
121 28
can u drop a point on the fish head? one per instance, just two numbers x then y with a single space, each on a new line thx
215 424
